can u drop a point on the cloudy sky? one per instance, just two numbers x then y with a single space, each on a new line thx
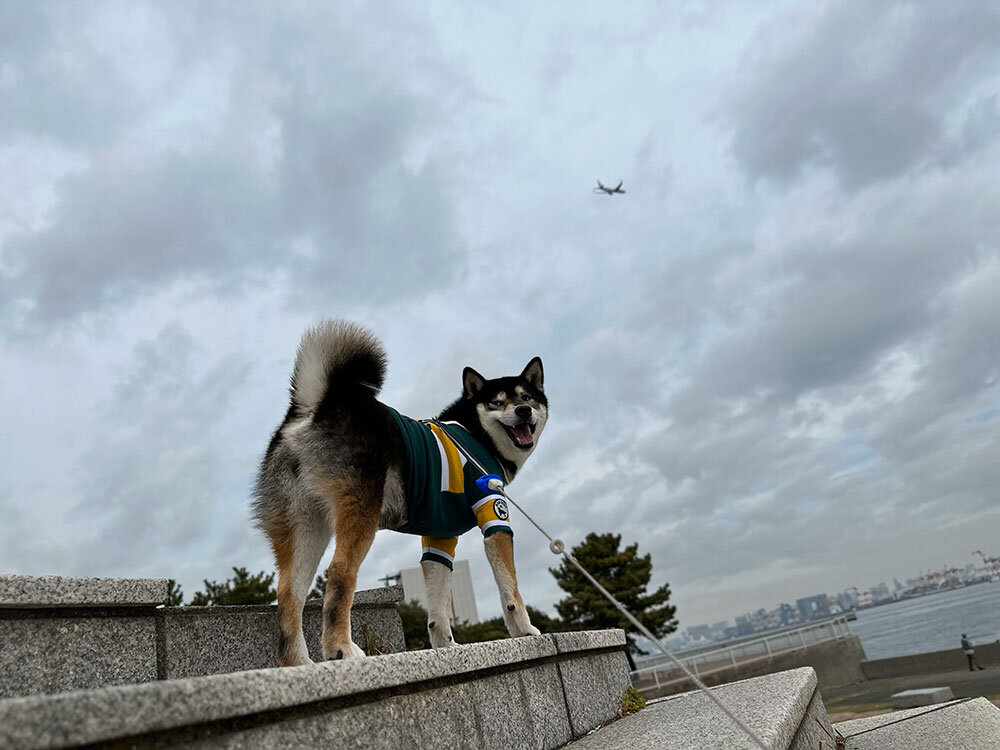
773 363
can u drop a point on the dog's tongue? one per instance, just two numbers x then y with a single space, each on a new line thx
522 433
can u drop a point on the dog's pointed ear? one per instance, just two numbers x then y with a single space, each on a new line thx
533 373
472 382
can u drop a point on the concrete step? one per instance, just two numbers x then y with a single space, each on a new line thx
536 692
785 709
958 725
59 634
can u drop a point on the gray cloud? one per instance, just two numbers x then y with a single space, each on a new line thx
290 176
863 90
153 485
774 392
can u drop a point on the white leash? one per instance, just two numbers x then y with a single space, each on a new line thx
494 483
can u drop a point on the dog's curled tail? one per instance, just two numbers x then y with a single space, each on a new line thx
336 354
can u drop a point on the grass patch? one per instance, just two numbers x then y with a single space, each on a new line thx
632 701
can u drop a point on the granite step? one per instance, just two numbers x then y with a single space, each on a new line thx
538 691
785 709
957 725
59 634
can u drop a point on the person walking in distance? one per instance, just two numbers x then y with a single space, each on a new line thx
970 653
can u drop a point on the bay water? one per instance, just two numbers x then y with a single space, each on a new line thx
930 623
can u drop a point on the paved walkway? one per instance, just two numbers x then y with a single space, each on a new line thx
874 696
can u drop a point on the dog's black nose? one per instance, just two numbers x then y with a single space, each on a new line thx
524 412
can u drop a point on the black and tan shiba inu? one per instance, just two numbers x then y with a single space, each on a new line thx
345 465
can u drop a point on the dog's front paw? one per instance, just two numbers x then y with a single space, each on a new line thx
522 631
352 651
440 635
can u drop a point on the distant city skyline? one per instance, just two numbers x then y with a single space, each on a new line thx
799 610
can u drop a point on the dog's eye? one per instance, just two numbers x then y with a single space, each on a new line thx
525 397
495 404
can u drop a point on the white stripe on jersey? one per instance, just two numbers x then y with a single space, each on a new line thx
439 552
487 499
491 524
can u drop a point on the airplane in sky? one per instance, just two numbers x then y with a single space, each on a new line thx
610 191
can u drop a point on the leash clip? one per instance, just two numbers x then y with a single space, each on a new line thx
490 482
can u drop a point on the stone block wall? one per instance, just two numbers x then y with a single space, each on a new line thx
539 692
59 634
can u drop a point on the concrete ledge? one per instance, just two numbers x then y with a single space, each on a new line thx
960 725
587 640
54 643
837 663
29 592
499 694
930 662
784 709
922 697
200 641
593 686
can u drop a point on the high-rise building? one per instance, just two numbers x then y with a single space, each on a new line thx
463 596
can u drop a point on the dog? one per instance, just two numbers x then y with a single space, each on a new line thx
344 465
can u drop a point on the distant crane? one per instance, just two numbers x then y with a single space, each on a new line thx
393 577
610 191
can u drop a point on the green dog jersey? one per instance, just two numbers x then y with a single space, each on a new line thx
442 499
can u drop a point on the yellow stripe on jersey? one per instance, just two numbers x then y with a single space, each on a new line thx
487 515
445 545
456 477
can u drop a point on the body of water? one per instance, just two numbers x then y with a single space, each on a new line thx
930 623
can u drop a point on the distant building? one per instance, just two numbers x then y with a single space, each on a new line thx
758 620
848 600
774 618
788 615
813 607
719 629
743 626
700 632
463 597
881 593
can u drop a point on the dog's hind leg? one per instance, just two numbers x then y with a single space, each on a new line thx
357 506
297 550
500 553
437 583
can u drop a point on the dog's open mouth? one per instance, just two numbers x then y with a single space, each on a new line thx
521 435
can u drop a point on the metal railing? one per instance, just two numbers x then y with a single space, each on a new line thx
660 672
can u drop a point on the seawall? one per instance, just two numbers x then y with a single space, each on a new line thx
931 662
837 663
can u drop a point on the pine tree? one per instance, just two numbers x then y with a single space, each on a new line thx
414 619
484 630
175 596
545 622
319 589
242 588
626 575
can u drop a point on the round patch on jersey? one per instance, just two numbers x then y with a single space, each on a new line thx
500 509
